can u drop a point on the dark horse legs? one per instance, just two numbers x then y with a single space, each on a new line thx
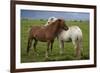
47 51
34 45
49 45
29 44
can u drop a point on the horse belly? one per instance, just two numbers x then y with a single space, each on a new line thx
40 36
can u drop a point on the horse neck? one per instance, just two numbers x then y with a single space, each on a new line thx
54 28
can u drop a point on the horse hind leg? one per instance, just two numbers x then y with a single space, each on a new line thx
74 43
78 51
77 48
29 44
51 45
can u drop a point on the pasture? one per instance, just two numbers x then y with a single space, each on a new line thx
69 51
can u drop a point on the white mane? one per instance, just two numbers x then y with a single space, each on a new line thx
51 19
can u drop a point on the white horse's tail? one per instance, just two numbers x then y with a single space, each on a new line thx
80 38
79 47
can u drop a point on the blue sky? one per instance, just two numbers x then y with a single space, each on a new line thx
36 14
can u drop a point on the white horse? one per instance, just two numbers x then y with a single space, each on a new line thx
73 34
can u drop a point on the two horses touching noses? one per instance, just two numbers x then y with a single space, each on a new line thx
45 34
73 34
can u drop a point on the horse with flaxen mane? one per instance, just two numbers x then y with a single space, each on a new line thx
46 34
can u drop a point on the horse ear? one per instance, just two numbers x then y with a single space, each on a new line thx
59 20
62 24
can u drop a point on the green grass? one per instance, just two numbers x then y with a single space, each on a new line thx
69 51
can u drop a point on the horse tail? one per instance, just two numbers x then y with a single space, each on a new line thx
29 44
79 37
79 44
29 40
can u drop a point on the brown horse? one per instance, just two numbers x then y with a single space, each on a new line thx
46 34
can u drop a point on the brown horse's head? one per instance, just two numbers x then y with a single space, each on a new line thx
57 26
62 24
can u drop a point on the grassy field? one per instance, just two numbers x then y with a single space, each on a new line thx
41 46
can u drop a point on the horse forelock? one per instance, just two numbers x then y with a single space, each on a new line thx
50 20
53 23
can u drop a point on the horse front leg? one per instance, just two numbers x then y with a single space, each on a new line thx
34 45
61 43
47 51
51 45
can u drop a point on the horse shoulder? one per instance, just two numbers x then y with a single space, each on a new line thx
64 35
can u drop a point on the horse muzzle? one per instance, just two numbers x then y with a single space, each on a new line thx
65 28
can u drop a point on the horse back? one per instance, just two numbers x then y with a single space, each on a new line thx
39 33
33 30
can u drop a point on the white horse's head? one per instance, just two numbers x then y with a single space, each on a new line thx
50 20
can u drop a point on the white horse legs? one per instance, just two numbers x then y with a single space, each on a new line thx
77 45
61 44
47 51
78 51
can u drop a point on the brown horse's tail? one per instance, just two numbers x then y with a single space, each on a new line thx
29 40
29 44
28 47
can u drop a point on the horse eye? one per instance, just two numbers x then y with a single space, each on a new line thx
48 22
